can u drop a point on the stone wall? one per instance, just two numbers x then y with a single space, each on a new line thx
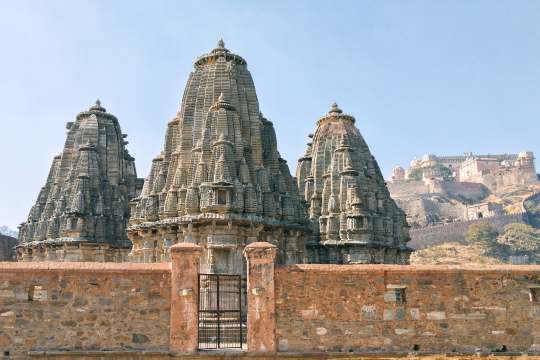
466 191
84 306
406 188
356 308
455 232
108 310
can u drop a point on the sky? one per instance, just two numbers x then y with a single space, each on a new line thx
441 77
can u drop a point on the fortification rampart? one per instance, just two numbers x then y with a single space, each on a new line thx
450 232
466 191
407 188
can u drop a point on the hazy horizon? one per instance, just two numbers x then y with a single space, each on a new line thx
419 77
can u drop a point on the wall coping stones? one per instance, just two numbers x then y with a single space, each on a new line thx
92 267
185 247
525 269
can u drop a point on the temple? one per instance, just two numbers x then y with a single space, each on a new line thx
82 211
220 181
353 218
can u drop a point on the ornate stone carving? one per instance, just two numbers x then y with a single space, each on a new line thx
221 161
353 218
84 203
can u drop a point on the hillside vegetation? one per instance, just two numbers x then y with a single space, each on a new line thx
518 243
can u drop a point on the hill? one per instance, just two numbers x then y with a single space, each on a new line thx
453 253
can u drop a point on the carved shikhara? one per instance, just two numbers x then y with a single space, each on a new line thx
220 181
82 211
352 216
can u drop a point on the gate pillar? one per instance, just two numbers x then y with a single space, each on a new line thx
261 315
184 297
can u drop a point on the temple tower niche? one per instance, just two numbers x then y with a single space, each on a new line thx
219 181
82 212
353 218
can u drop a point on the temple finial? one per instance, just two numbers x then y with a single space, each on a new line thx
335 109
97 106
221 44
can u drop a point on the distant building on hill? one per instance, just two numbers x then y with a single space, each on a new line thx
494 171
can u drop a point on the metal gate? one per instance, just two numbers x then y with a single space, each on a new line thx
221 320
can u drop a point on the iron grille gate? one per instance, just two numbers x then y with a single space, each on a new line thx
220 312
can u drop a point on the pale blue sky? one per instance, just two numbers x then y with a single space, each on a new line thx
442 77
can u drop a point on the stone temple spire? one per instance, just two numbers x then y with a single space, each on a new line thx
220 181
82 211
352 216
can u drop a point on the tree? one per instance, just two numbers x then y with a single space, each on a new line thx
482 234
444 172
520 238
415 174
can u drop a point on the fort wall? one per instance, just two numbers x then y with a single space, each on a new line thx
460 190
440 309
455 232
407 188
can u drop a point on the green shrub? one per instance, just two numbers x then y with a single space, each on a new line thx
520 238
483 234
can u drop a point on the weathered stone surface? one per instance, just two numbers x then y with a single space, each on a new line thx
220 181
82 211
7 248
463 309
353 218
261 316
74 315
184 297
156 355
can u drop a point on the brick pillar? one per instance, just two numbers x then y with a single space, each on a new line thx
261 316
184 297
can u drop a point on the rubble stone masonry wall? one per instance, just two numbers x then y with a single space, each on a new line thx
110 310
357 308
84 306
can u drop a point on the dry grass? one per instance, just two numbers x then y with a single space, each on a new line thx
453 254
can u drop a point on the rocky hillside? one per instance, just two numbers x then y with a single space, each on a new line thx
453 254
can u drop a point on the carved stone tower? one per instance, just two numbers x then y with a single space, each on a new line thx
220 181
82 211
353 218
